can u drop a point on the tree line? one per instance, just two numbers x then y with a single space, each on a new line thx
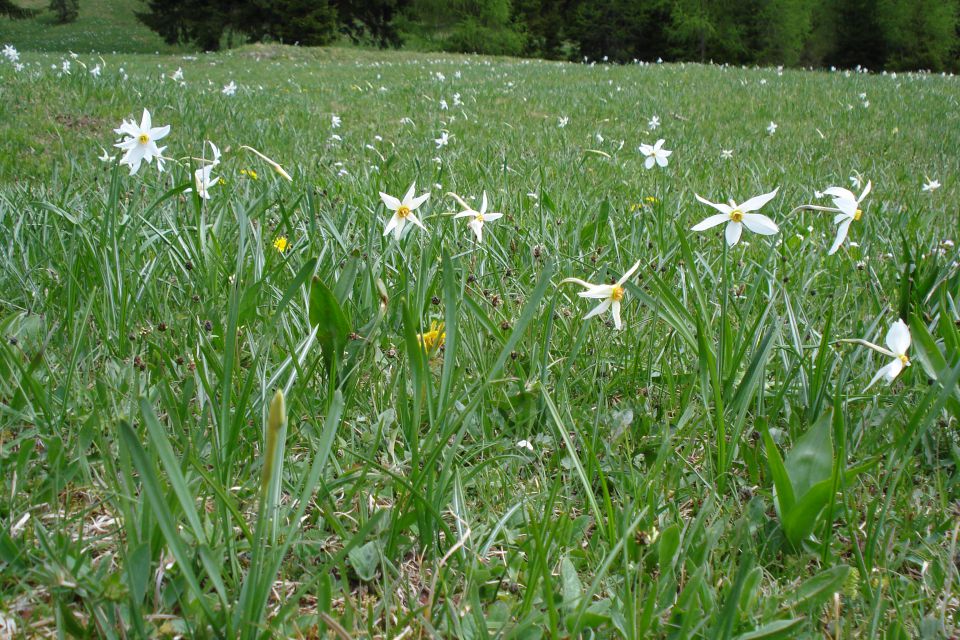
876 34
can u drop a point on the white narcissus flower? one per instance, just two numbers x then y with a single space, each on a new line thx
403 210
653 123
478 218
335 121
229 89
898 342
202 179
849 206
739 216
931 185
610 294
772 128
141 142
655 154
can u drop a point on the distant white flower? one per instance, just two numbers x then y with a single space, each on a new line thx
10 53
177 75
403 210
440 76
653 123
478 218
563 121
610 294
524 444
105 156
898 342
334 121
655 154
739 216
18 67
849 207
443 140
65 67
772 127
443 105
726 154
229 89
931 185
336 137
456 100
95 71
599 138
141 142
406 121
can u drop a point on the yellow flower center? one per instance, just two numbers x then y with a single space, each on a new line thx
904 359
479 217
858 214
736 215
403 211
617 294
143 138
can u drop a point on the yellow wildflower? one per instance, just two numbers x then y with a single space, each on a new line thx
250 173
432 339
281 244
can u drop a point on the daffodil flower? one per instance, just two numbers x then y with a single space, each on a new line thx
655 154
478 218
610 294
898 342
202 178
738 216
433 339
403 210
141 142
849 208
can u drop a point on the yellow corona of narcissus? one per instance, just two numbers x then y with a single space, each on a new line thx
433 339
611 295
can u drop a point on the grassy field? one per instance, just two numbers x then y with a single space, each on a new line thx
715 469
103 26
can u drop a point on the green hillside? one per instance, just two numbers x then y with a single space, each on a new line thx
104 26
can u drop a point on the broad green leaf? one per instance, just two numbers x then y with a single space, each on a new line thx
570 582
332 326
811 459
820 587
783 489
667 544
772 630
365 560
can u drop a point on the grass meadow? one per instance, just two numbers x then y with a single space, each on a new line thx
715 469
